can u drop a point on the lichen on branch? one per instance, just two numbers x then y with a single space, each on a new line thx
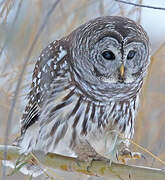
98 168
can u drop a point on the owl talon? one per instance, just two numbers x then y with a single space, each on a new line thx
100 158
77 161
126 154
89 159
90 165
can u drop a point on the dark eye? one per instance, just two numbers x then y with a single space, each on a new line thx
131 54
109 55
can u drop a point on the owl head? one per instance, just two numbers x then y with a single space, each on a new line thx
109 56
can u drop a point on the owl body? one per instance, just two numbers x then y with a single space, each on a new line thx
85 90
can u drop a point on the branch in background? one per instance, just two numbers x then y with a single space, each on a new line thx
13 103
8 37
140 5
98 168
1 3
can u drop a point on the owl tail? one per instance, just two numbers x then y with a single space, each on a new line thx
29 169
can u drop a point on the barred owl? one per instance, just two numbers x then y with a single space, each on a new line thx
85 90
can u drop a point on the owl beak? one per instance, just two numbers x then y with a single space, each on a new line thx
122 70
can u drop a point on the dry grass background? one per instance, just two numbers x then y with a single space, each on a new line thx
19 36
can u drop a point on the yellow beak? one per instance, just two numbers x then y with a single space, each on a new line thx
122 70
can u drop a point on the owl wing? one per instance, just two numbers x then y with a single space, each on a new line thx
45 72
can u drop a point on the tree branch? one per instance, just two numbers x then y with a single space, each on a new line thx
98 168
140 5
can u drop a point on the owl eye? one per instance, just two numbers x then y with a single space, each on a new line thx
108 55
131 54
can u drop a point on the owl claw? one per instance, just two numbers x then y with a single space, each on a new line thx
100 158
78 162
90 159
126 154
90 165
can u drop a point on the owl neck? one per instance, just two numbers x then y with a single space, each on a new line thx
105 93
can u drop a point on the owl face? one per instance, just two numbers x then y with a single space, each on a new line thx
117 62
109 55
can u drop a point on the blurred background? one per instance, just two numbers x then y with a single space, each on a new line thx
20 21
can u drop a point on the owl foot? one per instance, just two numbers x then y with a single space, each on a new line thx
90 159
126 154
85 152
98 157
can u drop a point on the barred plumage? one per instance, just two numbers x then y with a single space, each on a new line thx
85 89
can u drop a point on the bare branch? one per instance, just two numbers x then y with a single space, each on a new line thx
1 3
99 168
21 76
12 26
140 5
